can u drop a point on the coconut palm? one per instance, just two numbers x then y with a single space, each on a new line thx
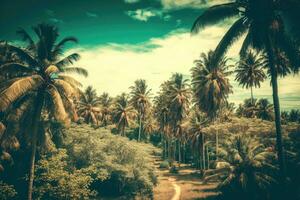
140 98
211 85
268 26
123 113
105 102
41 83
89 106
249 72
246 169
265 110
197 135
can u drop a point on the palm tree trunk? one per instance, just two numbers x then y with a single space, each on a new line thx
279 145
207 155
217 144
36 120
203 152
140 127
179 152
252 99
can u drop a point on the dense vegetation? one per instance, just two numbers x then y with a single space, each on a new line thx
58 141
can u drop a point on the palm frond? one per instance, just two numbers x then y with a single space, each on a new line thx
58 48
69 60
232 35
58 111
26 37
77 70
215 14
18 89
14 68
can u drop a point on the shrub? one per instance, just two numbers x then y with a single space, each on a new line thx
7 191
164 165
173 169
125 167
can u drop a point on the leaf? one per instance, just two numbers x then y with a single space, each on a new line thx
58 111
18 89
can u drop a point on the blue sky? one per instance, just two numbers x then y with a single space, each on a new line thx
123 40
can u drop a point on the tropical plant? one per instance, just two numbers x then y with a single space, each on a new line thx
294 115
89 106
140 99
123 113
265 110
245 170
106 103
268 26
211 85
249 72
40 85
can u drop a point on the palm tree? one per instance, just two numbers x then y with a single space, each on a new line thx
89 106
211 85
197 135
178 94
265 24
105 102
246 168
123 113
249 72
40 84
140 98
265 110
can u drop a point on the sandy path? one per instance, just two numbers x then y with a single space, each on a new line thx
176 188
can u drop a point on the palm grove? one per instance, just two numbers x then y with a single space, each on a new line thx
251 150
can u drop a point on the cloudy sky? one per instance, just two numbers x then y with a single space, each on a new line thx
124 40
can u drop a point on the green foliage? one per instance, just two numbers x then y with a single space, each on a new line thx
164 165
173 169
246 168
57 179
119 166
7 191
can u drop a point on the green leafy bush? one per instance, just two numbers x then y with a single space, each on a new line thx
164 165
7 191
119 167
57 179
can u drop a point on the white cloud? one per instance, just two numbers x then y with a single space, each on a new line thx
179 4
114 67
145 14
131 1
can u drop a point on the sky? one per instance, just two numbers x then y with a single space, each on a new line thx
124 40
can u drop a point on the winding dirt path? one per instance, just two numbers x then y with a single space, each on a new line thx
176 188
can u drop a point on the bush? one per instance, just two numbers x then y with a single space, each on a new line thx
164 165
57 179
7 191
120 167
173 170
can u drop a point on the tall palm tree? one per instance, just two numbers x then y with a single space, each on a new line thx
105 102
249 72
178 94
89 106
211 85
123 113
197 135
267 25
140 98
40 84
